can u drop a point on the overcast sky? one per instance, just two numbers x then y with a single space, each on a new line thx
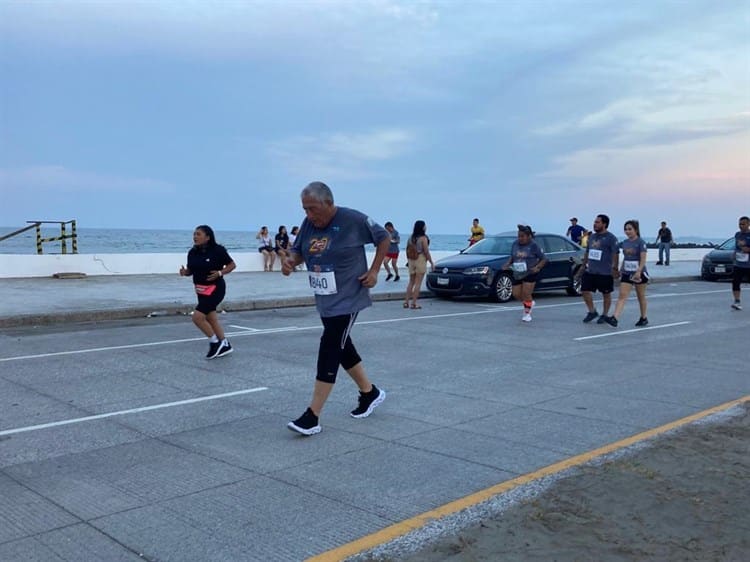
168 114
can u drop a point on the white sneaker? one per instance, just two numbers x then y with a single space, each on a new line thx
526 317
737 306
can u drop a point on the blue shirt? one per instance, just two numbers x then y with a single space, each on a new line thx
340 247
575 233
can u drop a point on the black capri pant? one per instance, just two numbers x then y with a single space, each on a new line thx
739 275
336 347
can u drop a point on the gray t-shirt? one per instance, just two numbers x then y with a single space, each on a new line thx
530 254
395 240
602 247
631 254
336 254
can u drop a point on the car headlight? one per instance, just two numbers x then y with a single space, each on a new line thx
484 270
706 260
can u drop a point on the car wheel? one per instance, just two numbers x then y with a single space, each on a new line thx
502 288
574 288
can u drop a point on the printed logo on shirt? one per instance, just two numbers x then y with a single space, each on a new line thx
318 245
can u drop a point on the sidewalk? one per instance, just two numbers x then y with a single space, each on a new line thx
30 301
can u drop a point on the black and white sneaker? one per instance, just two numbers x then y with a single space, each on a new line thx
306 424
736 305
642 321
602 319
590 316
225 349
368 402
213 349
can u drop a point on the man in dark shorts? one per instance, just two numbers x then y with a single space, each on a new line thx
741 260
331 243
600 268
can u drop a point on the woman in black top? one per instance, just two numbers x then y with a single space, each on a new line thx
282 243
208 263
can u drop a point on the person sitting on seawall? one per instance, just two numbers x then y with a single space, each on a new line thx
282 243
526 260
664 240
477 232
418 255
265 247
208 263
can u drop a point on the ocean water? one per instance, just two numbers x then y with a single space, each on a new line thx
133 241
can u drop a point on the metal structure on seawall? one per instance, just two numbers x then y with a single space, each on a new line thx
63 238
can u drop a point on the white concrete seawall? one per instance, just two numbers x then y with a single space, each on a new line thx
14 265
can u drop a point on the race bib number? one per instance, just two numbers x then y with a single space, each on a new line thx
742 257
595 255
519 266
322 282
630 266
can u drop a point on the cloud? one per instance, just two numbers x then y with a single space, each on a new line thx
62 179
339 155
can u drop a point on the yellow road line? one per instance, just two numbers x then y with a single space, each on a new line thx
402 528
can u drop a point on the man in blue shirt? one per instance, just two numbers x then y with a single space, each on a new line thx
575 231
331 242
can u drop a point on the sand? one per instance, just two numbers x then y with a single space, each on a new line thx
683 496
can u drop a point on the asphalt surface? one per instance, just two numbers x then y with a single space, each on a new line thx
119 441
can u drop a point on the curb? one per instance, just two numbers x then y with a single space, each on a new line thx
184 309
170 309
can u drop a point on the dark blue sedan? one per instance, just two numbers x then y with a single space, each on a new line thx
476 271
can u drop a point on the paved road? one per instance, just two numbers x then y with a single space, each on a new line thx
118 441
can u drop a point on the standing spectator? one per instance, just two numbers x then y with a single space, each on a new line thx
741 260
282 243
575 231
331 241
664 239
417 254
477 232
526 260
208 263
600 268
265 247
392 255
633 272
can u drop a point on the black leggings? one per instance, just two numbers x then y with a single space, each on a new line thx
739 275
336 347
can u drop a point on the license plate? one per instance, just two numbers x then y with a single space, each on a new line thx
720 269
443 280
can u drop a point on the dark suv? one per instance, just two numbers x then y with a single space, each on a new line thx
476 270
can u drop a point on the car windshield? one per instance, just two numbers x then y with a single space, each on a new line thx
492 245
727 245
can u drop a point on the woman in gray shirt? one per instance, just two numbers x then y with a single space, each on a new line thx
632 272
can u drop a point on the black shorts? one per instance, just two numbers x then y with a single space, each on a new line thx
530 278
266 249
208 304
593 282
740 275
628 278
